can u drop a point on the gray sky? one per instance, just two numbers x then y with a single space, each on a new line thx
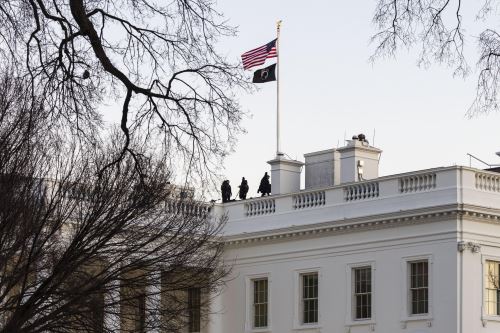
328 88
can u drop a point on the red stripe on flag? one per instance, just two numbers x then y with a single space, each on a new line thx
258 56
256 51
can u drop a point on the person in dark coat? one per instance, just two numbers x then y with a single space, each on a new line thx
265 185
243 188
226 191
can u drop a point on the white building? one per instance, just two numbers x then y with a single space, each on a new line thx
353 252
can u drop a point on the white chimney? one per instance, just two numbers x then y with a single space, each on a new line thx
322 169
285 175
358 160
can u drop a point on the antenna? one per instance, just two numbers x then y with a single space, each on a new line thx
373 140
480 160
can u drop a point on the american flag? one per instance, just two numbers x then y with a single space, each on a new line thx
259 55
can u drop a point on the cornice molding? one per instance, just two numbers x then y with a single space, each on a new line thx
374 222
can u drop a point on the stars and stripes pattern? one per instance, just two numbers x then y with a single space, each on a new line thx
259 55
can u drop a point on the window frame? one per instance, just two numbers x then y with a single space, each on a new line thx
135 299
312 299
350 313
257 302
298 320
406 315
249 291
485 317
409 288
355 294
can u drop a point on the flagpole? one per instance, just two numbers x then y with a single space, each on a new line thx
278 148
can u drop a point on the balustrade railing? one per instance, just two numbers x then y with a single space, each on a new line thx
487 182
417 183
386 187
189 208
309 199
361 191
260 207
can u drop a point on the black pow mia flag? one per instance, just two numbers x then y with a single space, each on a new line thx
266 74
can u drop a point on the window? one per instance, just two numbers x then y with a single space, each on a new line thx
492 292
260 302
419 287
140 324
362 298
194 309
309 298
95 306
133 306
90 313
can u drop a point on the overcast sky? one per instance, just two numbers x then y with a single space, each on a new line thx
329 90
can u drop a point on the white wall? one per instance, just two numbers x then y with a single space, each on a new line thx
487 236
386 249
421 214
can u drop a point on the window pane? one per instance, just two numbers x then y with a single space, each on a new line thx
310 298
362 292
260 302
492 288
133 307
419 287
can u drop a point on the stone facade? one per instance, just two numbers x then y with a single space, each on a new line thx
445 219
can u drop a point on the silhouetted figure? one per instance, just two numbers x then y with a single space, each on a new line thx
226 191
243 188
360 137
265 185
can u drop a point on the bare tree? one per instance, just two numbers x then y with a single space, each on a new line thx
89 251
158 57
437 28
